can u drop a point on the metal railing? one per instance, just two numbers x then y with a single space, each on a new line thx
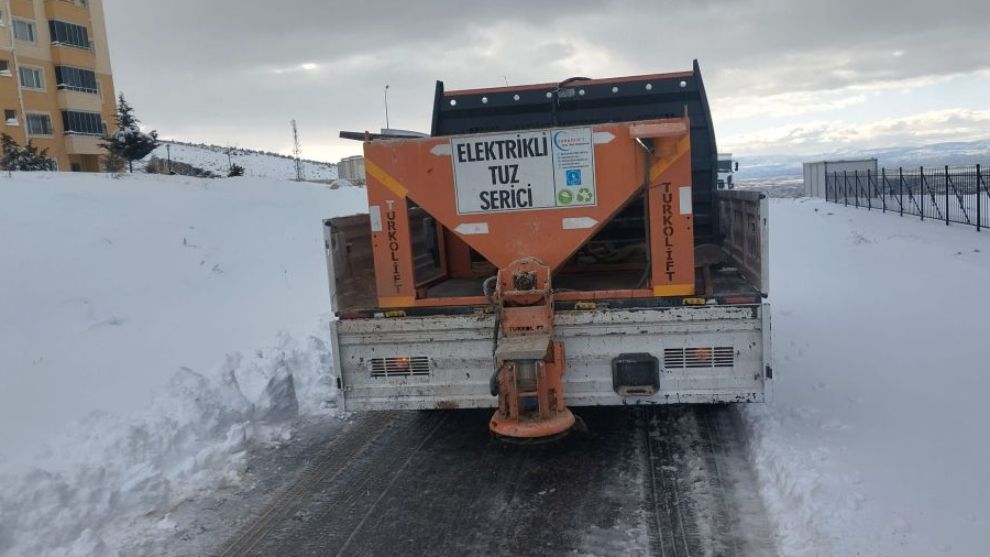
950 195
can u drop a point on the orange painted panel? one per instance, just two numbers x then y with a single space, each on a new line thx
392 248
672 222
422 169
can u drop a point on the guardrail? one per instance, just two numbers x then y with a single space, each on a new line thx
952 195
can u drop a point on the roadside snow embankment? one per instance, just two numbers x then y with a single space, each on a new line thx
120 299
873 444
111 482
258 165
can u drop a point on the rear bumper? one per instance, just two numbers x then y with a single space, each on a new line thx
446 362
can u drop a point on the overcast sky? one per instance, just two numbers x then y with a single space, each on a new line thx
783 76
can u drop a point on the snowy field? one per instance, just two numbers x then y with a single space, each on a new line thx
875 444
258 165
193 306
191 313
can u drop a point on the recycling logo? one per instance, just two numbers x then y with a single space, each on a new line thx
584 195
566 197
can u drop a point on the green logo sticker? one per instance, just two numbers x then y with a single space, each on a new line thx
584 195
565 197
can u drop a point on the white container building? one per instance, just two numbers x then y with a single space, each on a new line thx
815 173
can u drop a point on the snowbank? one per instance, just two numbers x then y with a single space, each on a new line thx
111 285
874 445
256 164
111 482
121 297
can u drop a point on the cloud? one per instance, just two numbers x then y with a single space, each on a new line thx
796 103
224 68
957 124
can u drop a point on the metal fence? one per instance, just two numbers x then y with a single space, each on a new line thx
959 195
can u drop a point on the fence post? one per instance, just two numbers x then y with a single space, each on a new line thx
946 195
856 176
869 191
922 175
845 185
979 215
900 172
883 188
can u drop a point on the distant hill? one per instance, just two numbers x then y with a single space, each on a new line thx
934 155
262 164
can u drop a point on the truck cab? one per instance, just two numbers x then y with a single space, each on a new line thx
726 168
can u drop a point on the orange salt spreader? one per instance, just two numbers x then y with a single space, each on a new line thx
520 200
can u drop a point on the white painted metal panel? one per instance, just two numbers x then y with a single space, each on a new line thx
459 349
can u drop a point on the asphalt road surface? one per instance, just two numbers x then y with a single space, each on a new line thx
662 481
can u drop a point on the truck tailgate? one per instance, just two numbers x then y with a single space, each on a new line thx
706 354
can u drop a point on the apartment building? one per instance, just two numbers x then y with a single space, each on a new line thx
56 87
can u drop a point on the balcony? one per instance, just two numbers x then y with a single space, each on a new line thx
73 10
78 144
77 100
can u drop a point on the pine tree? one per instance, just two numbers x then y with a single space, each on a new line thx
129 142
10 151
235 171
29 158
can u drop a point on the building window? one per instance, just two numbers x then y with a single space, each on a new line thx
85 123
31 78
75 79
10 117
39 124
24 30
69 34
5 68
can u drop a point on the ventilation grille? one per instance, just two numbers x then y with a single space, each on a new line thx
400 366
699 357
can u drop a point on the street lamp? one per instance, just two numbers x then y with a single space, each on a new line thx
386 107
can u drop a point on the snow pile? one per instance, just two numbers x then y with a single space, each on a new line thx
111 285
111 482
121 296
258 164
872 446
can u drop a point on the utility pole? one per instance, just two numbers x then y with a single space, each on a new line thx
297 151
168 156
386 107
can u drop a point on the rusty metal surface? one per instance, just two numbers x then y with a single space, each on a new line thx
672 481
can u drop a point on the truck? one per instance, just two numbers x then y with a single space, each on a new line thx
726 168
548 247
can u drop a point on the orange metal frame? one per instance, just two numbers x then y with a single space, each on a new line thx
529 314
420 171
